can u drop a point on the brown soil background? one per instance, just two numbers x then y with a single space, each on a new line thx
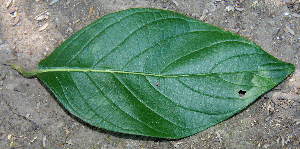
30 117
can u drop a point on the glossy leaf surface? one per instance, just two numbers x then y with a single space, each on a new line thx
158 73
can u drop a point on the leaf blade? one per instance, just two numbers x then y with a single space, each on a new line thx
157 73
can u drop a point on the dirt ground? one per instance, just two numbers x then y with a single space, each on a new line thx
30 117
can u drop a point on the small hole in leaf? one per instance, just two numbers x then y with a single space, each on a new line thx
242 93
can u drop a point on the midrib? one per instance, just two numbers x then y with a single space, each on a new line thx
106 71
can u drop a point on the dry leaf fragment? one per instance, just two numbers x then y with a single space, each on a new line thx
43 27
15 20
295 15
58 144
240 9
67 131
8 3
42 17
174 1
52 2
12 144
91 11
76 22
13 4
44 141
290 30
33 139
44 12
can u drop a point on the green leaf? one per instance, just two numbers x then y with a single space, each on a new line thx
158 73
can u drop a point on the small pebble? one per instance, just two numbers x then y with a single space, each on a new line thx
27 115
11 9
45 53
9 136
1 41
70 30
229 8
14 14
266 145
202 18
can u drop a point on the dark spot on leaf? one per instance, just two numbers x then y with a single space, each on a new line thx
157 84
242 93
